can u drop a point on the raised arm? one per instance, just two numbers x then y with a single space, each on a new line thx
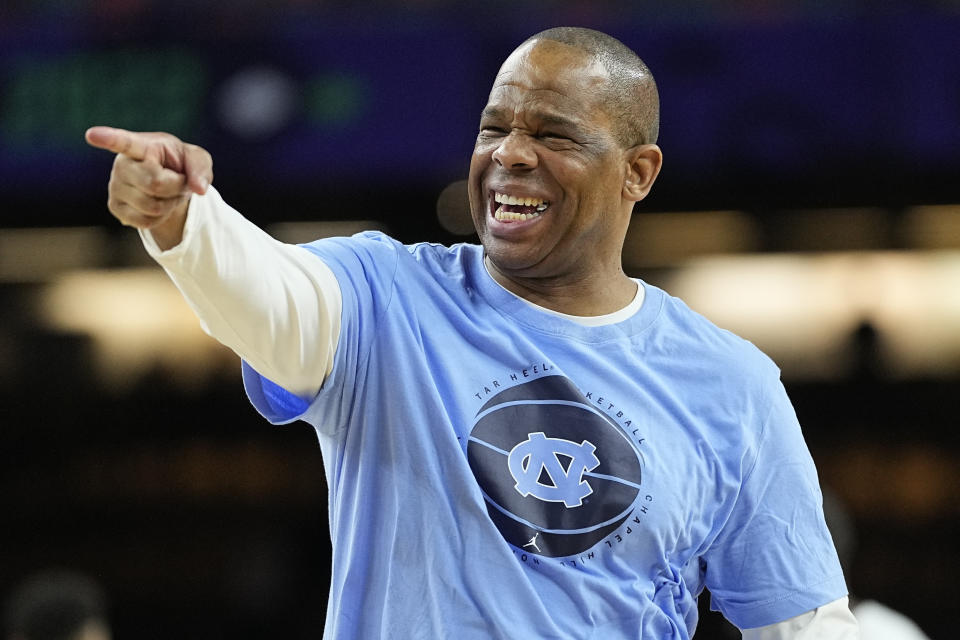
152 179
276 305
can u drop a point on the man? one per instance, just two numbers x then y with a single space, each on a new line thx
470 401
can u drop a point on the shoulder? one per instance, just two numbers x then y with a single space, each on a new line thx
366 245
681 330
444 259
375 260
427 264
716 371
376 245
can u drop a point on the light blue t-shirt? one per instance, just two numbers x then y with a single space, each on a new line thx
496 471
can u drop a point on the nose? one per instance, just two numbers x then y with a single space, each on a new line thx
516 151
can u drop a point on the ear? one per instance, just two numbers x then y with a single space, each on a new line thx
643 167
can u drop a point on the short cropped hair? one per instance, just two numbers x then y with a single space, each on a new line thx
632 99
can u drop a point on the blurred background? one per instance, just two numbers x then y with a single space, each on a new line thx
809 201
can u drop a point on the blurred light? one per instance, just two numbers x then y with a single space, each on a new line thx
137 320
918 309
303 232
851 229
663 239
335 100
33 255
257 102
803 310
923 486
932 227
50 98
136 317
453 209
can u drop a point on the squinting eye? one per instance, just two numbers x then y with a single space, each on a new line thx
555 136
493 131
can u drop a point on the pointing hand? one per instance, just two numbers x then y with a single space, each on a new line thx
152 179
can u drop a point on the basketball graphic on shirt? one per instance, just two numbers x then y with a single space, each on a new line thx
553 469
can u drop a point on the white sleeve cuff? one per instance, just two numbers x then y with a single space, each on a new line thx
832 621
189 230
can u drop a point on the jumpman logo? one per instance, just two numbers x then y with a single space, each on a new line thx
533 542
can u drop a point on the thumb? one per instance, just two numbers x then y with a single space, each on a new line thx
198 167
130 144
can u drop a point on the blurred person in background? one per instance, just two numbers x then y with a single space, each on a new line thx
519 439
57 605
877 621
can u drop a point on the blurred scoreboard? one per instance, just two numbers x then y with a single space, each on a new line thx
305 103
286 109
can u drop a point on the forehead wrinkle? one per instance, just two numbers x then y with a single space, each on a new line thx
531 77
534 117
551 109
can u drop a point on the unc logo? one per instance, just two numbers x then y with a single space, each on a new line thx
538 455
557 475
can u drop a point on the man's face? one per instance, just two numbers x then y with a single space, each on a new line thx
547 171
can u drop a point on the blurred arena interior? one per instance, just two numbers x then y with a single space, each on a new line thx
809 202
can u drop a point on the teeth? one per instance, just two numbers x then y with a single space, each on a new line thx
502 215
515 216
503 198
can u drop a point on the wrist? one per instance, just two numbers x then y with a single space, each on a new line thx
169 233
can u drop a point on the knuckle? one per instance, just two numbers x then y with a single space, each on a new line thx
121 162
163 136
156 206
202 155
115 206
155 184
120 212
134 219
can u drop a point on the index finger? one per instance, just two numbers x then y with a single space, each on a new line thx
118 141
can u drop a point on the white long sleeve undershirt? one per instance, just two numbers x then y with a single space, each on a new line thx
832 621
278 307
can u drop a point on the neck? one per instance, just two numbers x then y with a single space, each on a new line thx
588 296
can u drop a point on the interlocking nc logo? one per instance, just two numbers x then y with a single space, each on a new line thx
538 450
538 457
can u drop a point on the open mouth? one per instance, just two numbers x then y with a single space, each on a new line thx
507 208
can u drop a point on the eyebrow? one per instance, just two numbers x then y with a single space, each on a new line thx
545 118
560 121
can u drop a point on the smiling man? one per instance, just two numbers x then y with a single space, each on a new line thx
520 441
565 150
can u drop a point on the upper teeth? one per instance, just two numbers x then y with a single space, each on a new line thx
503 198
